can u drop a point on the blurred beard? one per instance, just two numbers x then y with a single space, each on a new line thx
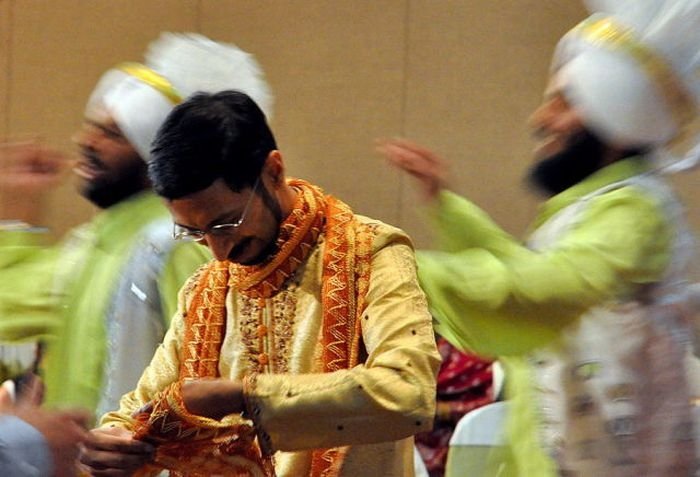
106 191
582 157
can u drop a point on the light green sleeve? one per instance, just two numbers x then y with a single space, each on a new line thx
452 213
501 298
184 259
27 265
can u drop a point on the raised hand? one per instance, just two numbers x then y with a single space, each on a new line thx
429 169
63 431
28 170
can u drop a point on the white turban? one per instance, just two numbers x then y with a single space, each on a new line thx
632 69
139 97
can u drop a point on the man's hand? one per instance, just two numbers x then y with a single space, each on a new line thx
63 431
213 398
424 165
27 171
113 452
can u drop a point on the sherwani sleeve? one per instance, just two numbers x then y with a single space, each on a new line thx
497 297
391 395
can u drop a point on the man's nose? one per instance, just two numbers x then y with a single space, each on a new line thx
84 138
539 118
220 245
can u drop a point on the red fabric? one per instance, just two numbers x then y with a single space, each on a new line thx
464 383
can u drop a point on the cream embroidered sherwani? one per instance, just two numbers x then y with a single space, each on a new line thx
374 407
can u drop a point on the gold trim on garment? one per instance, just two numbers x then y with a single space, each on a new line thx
606 32
156 81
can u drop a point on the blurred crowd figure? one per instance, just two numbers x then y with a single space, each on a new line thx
590 315
35 441
101 300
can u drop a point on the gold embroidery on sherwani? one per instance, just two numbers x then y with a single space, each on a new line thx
251 318
266 330
284 306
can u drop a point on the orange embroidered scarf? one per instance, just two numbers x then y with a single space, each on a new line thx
346 270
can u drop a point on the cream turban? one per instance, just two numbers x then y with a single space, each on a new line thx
140 96
633 69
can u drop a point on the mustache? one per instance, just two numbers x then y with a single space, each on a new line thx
92 160
239 248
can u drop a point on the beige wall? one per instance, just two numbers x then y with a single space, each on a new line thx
458 75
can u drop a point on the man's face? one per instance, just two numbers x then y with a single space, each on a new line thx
554 123
250 243
110 170
566 151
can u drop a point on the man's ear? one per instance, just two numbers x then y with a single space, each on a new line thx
274 167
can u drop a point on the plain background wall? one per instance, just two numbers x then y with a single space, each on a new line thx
461 76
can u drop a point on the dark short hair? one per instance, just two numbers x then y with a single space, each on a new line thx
208 137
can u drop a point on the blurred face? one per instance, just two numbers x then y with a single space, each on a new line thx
554 123
566 152
109 169
249 243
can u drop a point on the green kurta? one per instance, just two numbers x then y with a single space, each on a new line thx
64 293
494 296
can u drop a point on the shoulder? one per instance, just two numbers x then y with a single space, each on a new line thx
640 198
382 234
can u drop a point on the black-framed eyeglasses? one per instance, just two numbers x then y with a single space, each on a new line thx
181 232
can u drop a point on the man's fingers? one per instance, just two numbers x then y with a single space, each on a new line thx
20 161
410 162
111 440
417 161
102 460
410 149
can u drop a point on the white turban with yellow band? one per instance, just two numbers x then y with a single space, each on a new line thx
632 70
140 96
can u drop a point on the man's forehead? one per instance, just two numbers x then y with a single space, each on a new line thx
556 85
98 113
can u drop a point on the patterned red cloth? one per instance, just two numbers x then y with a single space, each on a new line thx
464 383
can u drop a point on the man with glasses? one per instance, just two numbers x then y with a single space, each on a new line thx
307 341
103 298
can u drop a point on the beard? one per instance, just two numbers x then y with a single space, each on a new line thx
107 191
270 249
582 156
